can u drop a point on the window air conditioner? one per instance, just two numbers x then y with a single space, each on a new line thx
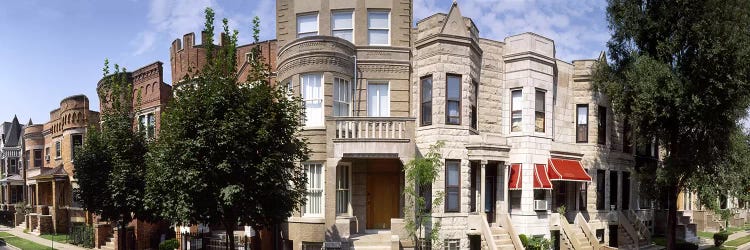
540 205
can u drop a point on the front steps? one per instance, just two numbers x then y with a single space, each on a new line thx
375 241
502 239
110 244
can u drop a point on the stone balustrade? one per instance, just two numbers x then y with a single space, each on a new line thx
374 128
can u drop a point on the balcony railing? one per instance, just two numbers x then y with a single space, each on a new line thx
397 129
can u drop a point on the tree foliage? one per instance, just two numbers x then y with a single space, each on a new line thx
679 74
228 149
110 166
420 173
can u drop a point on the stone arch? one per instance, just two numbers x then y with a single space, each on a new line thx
146 90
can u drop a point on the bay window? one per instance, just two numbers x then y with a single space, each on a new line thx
426 102
539 112
582 123
602 128
342 97
342 189
474 115
312 95
516 107
314 201
453 100
452 185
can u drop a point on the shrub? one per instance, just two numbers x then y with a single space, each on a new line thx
686 246
720 238
524 240
169 244
539 243
82 235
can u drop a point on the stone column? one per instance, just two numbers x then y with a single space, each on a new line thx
504 189
482 189
36 193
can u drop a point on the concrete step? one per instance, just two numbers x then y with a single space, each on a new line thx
506 247
498 230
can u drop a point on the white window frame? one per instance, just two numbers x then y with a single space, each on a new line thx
388 110
513 108
308 33
369 28
347 92
321 99
348 189
307 210
333 21
58 150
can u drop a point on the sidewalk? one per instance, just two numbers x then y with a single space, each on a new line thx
39 240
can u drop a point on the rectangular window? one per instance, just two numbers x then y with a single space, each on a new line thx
378 27
150 125
601 176
602 128
342 25
307 25
37 158
75 142
582 123
47 153
539 111
625 190
474 115
613 183
12 166
342 97
516 107
312 95
452 185
452 244
378 99
426 108
58 153
314 202
27 158
342 189
453 100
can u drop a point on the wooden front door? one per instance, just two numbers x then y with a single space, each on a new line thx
382 196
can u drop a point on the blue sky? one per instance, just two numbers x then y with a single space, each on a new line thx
53 49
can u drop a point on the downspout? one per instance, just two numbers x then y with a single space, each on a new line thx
554 99
356 80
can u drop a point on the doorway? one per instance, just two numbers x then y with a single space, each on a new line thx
490 190
383 182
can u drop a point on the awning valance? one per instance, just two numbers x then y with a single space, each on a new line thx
567 170
514 182
541 180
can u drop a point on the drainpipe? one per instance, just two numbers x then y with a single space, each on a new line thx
354 95
554 99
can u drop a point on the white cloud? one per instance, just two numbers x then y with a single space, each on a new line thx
578 27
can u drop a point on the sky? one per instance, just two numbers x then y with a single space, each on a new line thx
50 50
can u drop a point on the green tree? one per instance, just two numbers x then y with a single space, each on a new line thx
678 73
228 150
110 166
420 173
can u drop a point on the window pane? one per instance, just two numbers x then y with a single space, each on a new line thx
426 89
539 122
453 172
453 112
515 121
452 201
379 37
583 115
454 87
343 34
378 20
539 102
307 24
426 113
312 93
516 100
378 100
342 20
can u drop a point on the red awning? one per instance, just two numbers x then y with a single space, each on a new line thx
567 170
541 180
514 182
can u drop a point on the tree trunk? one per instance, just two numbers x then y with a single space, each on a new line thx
230 225
672 217
123 237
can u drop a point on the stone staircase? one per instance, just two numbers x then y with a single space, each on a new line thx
572 236
502 238
375 241
21 226
110 244
686 229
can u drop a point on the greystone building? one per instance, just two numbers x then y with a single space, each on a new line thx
11 163
529 147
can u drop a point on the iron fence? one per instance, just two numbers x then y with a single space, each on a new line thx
208 241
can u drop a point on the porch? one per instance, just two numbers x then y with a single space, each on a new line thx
51 195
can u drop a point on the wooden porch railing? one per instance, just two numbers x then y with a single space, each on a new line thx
374 128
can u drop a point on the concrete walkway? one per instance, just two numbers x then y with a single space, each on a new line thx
39 240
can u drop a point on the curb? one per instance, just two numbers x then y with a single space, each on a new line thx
12 246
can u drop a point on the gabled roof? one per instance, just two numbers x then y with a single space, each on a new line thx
454 23
13 134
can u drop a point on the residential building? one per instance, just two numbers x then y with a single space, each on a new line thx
525 134
49 179
11 164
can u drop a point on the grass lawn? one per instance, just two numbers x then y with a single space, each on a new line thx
21 243
62 238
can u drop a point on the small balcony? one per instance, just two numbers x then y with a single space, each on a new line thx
372 137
